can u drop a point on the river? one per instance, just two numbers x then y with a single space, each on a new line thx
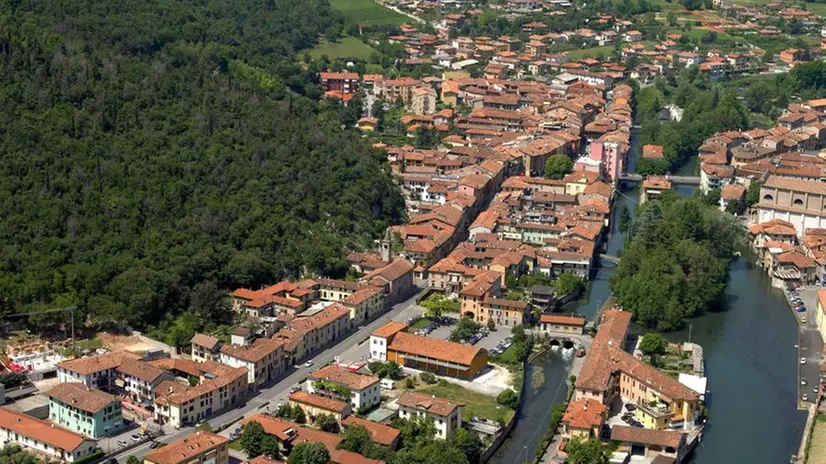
750 356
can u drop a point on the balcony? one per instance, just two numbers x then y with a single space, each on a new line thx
657 410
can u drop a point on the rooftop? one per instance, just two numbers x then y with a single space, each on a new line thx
340 375
183 450
318 402
40 430
431 404
81 397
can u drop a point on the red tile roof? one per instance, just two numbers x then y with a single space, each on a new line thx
78 395
584 414
318 402
561 319
389 329
379 433
340 375
431 404
186 448
40 430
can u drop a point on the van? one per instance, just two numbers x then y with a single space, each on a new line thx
387 384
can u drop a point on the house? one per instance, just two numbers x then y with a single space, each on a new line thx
264 359
315 405
364 304
368 124
360 390
446 415
653 186
205 348
730 193
395 279
650 443
561 324
397 89
44 438
202 447
584 419
391 343
800 202
652 152
80 409
379 433
305 335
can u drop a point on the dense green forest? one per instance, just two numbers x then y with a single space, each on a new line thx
154 154
675 263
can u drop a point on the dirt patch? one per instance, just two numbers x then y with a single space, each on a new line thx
123 342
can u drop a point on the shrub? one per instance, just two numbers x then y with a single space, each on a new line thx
508 398
428 378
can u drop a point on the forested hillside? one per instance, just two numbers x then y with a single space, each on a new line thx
154 154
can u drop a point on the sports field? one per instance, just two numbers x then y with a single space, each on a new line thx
367 13
347 47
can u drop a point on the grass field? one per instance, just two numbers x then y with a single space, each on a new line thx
422 323
477 404
507 356
367 12
348 47
817 442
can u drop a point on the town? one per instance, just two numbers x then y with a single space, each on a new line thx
536 144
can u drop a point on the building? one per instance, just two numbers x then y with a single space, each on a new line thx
343 82
44 438
199 448
651 444
206 348
306 335
653 186
397 89
662 402
441 357
584 419
424 100
364 304
560 324
731 193
360 390
315 405
92 413
446 415
264 359
219 388
800 202
379 433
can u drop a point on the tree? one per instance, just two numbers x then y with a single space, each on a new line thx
133 460
437 304
491 325
568 284
252 439
653 344
712 198
508 398
356 439
390 369
468 443
464 330
753 194
558 166
735 207
309 453
327 423
590 451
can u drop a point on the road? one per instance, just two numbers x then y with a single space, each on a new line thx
348 346
810 345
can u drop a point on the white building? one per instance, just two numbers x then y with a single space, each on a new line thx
264 359
43 437
334 382
447 416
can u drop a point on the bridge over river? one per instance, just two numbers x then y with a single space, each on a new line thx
686 180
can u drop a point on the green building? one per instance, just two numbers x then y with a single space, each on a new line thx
88 412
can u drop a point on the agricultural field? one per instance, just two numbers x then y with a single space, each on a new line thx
347 47
367 13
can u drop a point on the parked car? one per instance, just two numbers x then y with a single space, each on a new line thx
630 406
816 391
580 354
802 360
800 309
135 437
803 381
805 397
308 363
157 444
295 388
803 319
122 442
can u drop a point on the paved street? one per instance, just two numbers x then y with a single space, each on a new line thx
810 345
350 348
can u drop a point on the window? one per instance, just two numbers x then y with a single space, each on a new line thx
768 197
798 202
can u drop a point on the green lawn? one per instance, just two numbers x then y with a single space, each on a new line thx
367 12
348 47
508 356
476 404
422 323
236 445
592 52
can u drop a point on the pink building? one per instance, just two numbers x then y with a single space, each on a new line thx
610 156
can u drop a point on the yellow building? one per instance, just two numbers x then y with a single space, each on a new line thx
364 304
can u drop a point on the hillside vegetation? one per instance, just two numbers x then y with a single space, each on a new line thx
154 154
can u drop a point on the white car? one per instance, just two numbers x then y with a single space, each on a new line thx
802 360
805 397
803 319
308 363
122 442
803 382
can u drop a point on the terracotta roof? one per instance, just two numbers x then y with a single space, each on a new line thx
140 370
360 296
584 414
665 438
40 430
254 353
86 366
392 271
264 460
78 395
389 329
431 404
318 402
340 375
821 298
379 433
799 185
283 429
561 319
732 192
186 366
186 448
435 348
205 341
774 227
